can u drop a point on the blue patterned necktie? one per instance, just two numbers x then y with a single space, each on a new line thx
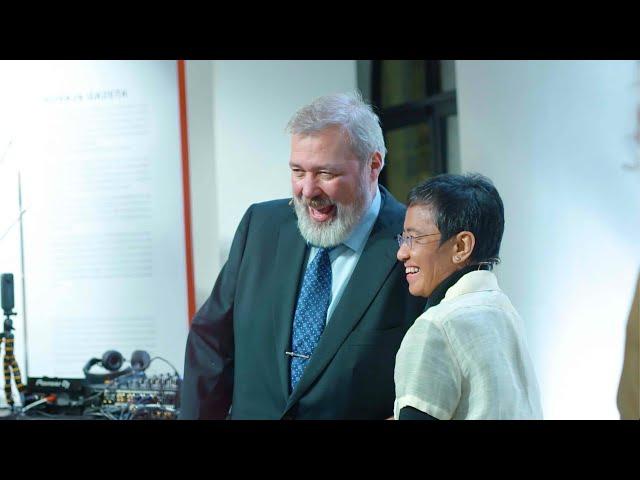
311 313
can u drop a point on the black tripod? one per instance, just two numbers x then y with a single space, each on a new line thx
10 364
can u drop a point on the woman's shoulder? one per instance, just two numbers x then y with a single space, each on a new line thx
472 310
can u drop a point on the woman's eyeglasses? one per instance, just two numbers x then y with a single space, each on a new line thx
408 239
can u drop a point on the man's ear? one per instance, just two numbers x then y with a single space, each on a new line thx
375 165
463 245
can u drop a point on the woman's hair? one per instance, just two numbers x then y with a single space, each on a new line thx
469 203
347 111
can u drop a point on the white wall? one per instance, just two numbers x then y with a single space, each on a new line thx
553 136
204 214
251 103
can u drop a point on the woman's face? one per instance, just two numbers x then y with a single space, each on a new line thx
427 263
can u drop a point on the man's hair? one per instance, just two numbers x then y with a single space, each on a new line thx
349 112
465 203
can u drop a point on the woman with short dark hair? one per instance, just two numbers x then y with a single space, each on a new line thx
465 357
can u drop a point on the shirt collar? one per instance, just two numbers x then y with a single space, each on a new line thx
439 292
476 281
360 233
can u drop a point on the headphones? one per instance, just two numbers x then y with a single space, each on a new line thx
112 360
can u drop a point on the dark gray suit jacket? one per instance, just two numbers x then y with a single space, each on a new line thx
235 355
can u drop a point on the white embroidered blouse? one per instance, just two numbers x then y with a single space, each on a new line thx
467 357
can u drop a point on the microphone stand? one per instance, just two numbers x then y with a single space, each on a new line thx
10 365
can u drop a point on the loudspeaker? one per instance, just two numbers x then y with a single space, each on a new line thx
6 286
112 360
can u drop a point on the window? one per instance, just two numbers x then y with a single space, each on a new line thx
416 102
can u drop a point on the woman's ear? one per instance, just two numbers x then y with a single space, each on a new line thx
463 247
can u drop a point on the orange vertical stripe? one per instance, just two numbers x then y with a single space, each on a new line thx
186 189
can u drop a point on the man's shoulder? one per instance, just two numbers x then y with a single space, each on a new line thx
391 211
272 211
393 206
270 206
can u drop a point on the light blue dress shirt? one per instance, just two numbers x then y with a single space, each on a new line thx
345 256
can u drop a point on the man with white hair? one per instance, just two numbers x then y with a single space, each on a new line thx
307 315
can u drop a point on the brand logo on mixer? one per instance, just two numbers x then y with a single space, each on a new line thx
53 383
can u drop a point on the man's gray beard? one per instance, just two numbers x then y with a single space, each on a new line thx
335 231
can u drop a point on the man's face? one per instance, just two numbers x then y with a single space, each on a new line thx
331 187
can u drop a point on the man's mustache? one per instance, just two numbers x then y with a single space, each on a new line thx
316 202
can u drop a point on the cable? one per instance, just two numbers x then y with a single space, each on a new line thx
45 414
97 414
48 398
34 404
92 397
167 362
146 409
107 414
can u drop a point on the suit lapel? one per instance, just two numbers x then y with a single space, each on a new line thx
288 266
373 267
